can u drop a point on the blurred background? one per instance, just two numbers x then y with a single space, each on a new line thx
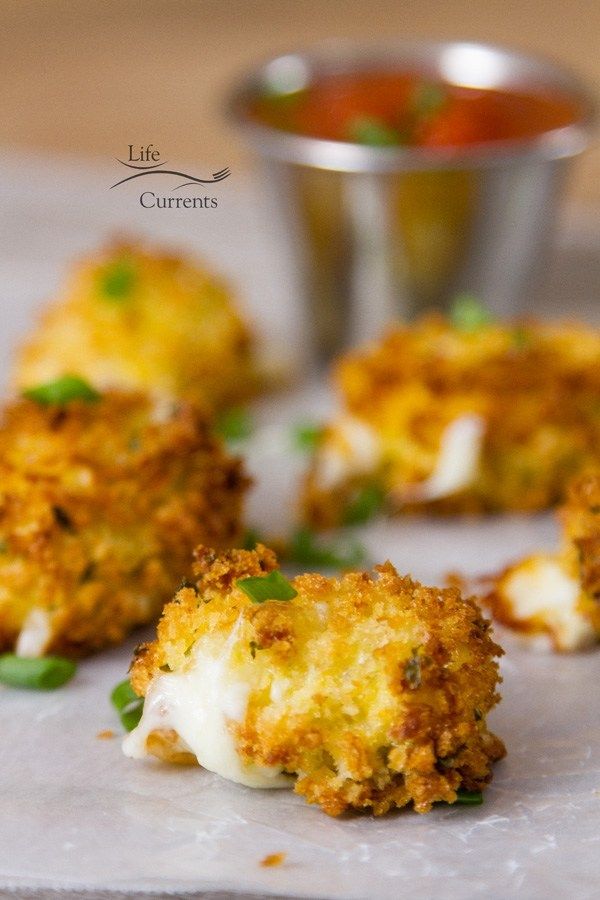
81 80
83 77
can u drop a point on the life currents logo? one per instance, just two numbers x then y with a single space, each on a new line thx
144 166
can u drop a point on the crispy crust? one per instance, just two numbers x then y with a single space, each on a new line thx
176 333
101 505
373 689
579 557
536 385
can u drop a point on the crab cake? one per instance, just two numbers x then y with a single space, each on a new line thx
556 597
101 504
365 692
459 415
135 319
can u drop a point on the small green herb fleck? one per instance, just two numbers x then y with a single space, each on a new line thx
306 550
469 798
366 503
373 132
43 674
63 390
251 538
128 704
117 280
234 425
428 99
412 671
521 339
165 668
306 437
253 648
468 314
273 586
478 715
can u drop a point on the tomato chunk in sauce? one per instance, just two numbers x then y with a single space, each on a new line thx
398 108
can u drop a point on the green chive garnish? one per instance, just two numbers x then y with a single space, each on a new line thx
234 424
117 280
469 798
306 550
273 586
307 437
128 704
42 674
428 99
373 132
367 502
469 314
63 390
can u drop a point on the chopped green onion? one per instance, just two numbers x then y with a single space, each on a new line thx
63 390
469 798
273 586
469 314
117 280
307 437
305 550
234 424
428 99
366 503
44 673
373 132
127 703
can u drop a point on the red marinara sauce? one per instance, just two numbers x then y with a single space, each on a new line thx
405 109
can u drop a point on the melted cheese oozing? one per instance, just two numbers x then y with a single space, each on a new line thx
35 634
199 703
353 448
542 590
456 466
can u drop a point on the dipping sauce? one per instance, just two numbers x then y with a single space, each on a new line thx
404 109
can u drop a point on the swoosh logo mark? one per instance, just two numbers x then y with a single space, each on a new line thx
189 179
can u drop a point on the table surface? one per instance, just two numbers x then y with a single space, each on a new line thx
88 77
77 815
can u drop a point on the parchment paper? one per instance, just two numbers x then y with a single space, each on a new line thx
76 815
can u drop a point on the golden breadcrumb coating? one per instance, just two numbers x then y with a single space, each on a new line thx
101 505
533 387
524 596
134 318
370 690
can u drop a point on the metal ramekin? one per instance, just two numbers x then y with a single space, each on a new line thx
381 233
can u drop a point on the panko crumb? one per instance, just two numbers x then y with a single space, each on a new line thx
106 734
364 692
272 860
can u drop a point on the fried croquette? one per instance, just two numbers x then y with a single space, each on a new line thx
557 596
366 692
451 419
134 319
101 505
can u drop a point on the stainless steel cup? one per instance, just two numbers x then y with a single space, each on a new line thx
381 233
